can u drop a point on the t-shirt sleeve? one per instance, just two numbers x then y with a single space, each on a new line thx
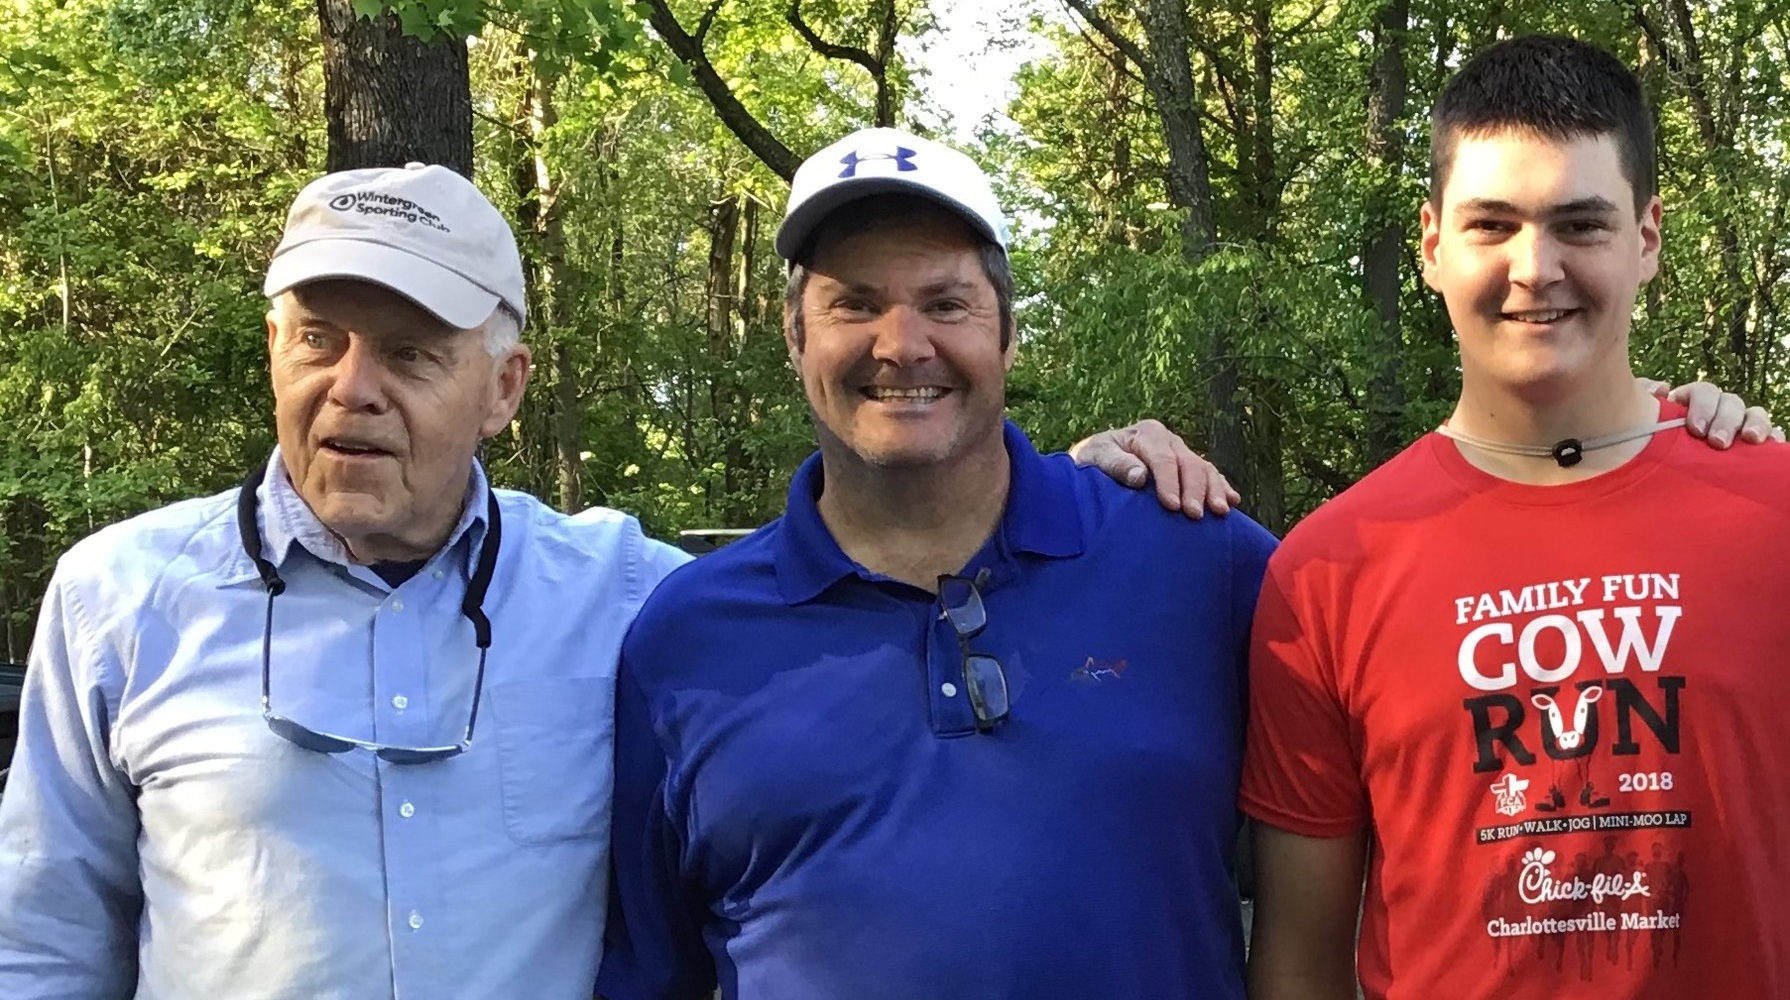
653 947
1300 769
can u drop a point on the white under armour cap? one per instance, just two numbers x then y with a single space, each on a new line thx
887 161
424 232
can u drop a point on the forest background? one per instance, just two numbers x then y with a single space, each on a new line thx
1215 205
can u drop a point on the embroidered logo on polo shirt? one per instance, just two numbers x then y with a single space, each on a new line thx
1098 671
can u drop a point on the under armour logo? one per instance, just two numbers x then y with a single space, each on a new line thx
903 157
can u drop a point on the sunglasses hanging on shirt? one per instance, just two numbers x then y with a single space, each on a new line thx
472 606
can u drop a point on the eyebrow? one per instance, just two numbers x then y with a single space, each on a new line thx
439 339
948 285
1593 205
936 288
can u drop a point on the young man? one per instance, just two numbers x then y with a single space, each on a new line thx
933 733
1533 662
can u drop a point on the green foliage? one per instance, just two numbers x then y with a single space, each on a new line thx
150 152
597 34
148 149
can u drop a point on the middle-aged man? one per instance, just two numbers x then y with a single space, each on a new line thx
180 823
1533 667
935 732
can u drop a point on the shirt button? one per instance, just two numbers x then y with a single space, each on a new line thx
400 702
948 689
440 573
416 921
397 605
407 810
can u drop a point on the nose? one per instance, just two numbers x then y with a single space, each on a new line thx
1535 259
358 381
903 337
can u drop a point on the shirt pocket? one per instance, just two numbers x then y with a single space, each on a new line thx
555 751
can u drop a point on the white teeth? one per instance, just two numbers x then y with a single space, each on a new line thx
925 393
1548 316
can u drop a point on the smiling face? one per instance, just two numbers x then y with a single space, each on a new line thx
901 352
901 349
1538 253
380 407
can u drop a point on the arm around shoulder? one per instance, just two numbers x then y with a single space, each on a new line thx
69 890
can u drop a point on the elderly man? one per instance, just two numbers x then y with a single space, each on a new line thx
332 735
920 737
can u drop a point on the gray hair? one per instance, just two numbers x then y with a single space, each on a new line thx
503 332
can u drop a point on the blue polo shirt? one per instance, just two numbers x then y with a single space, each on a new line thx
804 809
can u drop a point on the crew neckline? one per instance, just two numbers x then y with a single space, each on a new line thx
1475 480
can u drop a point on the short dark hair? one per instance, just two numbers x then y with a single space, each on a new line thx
867 214
1552 85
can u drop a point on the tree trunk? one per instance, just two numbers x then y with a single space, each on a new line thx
1169 75
1264 185
391 99
1267 440
1383 250
1170 78
724 396
550 274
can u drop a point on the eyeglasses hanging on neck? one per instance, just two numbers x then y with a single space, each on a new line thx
472 606
960 602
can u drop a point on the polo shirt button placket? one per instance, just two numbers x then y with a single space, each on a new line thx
952 715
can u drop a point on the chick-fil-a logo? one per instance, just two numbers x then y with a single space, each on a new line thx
1535 884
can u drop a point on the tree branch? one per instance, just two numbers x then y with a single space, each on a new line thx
750 131
1299 29
1114 58
1112 34
826 48
708 21
877 65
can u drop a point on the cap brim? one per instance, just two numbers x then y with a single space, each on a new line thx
454 300
800 224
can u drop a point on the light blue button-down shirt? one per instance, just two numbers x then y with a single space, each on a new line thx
158 841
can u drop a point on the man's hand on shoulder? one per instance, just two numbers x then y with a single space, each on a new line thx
1147 451
1718 417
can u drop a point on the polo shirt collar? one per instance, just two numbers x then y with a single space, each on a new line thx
286 520
1042 518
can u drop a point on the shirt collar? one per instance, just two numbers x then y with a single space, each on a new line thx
1042 518
286 520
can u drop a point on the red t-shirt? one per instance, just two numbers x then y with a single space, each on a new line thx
1560 710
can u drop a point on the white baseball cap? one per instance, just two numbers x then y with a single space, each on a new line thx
424 232
887 161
